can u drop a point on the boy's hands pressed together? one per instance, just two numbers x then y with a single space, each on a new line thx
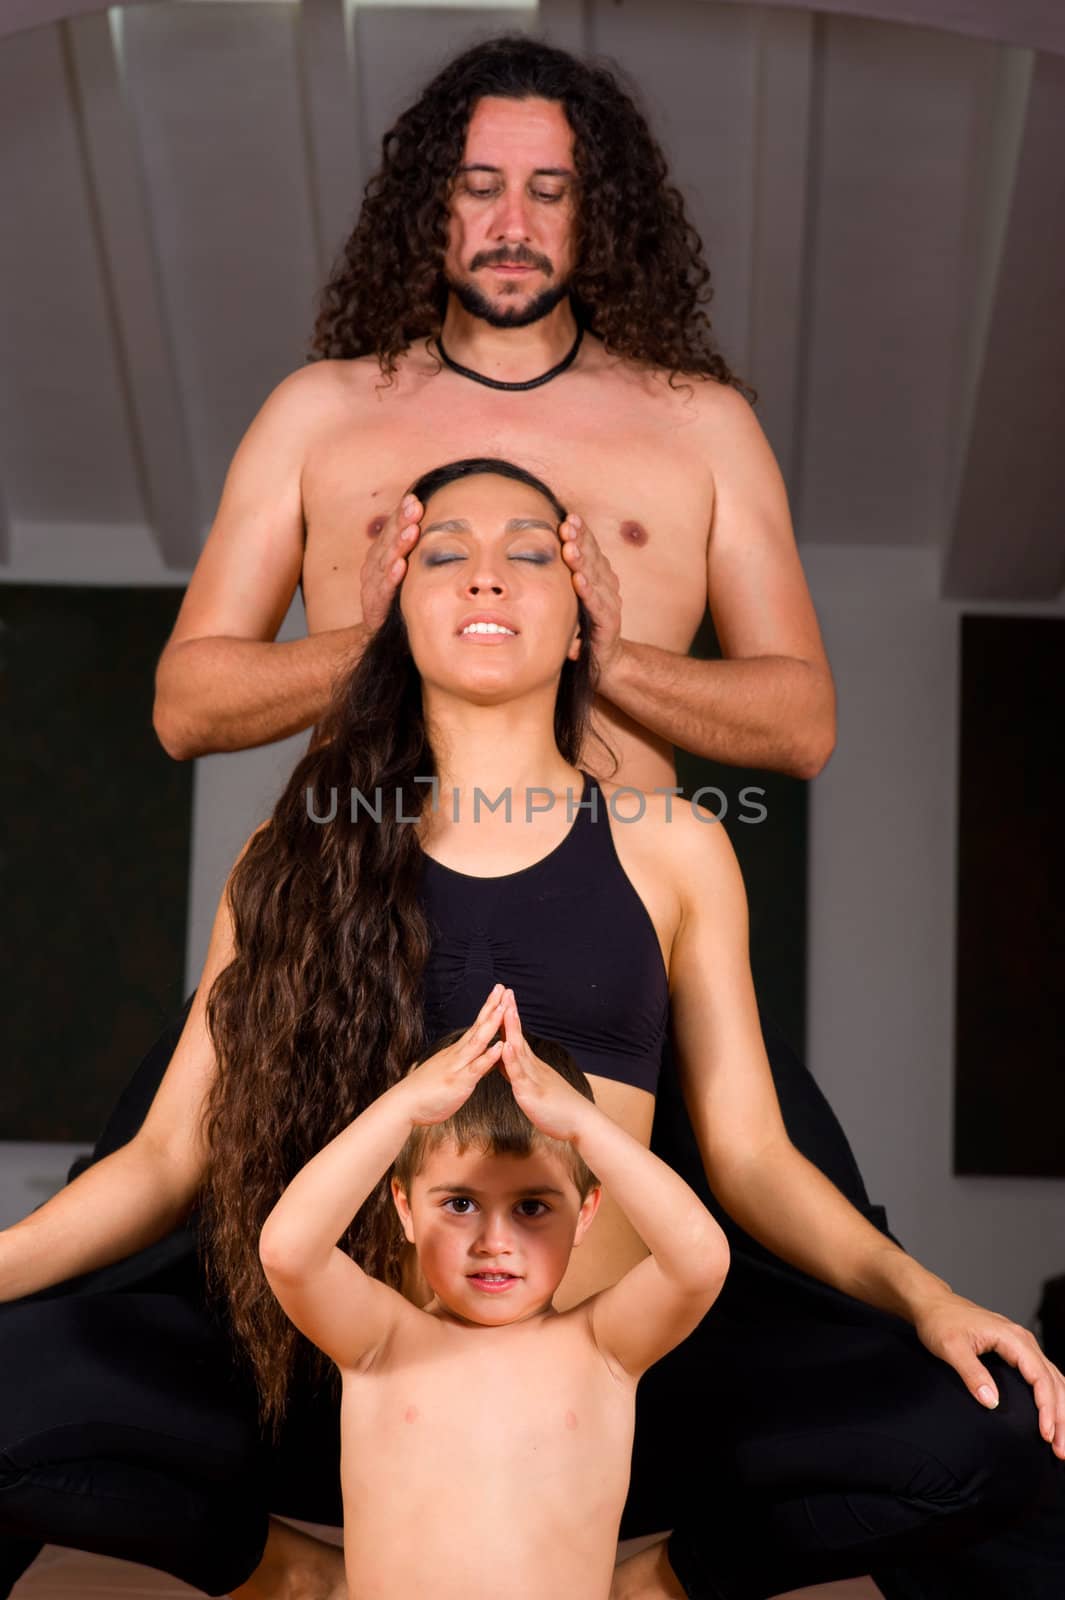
551 1104
437 1086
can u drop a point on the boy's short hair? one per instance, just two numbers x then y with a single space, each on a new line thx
492 1120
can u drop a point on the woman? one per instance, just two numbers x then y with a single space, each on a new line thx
372 907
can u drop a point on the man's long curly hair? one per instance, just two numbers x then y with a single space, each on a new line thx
640 282
320 1009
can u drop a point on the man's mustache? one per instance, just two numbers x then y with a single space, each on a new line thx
511 258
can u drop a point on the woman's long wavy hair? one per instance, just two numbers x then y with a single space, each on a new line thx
320 1009
641 283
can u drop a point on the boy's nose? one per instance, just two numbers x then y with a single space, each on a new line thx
494 1238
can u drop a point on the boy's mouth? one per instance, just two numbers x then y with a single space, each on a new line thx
493 1282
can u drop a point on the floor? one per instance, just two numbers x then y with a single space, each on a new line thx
68 1575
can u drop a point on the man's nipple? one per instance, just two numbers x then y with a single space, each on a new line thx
374 526
634 533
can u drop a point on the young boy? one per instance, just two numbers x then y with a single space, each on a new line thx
486 1438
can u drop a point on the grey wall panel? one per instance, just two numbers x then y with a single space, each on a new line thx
1009 534
897 114
336 158
399 48
64 441
128 259
215 91
696 67
1039 24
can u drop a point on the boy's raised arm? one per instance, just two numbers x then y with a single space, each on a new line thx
342 1309
661 1300
655 1306
347 1313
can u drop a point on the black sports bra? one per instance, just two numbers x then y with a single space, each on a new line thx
569 935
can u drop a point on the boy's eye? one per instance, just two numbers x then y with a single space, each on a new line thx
539 1208
458 1200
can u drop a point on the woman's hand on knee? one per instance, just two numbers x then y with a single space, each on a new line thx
960 1332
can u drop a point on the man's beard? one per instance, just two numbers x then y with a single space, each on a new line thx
477 304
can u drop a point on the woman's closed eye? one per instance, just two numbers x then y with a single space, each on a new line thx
441 558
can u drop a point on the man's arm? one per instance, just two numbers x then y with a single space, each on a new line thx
342 1309
761 1179
770 702
223 683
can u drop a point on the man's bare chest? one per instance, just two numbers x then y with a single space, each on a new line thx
638 482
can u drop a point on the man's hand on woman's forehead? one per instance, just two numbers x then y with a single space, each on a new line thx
596 583
385 565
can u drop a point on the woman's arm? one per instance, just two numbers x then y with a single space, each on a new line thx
139 1193
758 1175
761 1179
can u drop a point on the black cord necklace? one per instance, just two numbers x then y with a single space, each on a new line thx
497 383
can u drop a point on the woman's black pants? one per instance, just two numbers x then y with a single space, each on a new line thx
796 1437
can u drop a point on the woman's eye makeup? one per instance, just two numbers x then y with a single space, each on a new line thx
440 558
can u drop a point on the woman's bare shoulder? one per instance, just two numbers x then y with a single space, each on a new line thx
682 842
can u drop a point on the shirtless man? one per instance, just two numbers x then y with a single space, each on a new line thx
678 483
569 276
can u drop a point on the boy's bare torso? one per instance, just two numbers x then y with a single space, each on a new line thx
485 1463
617 445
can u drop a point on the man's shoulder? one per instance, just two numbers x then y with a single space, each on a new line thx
721 405
318 397
326 382
699 392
